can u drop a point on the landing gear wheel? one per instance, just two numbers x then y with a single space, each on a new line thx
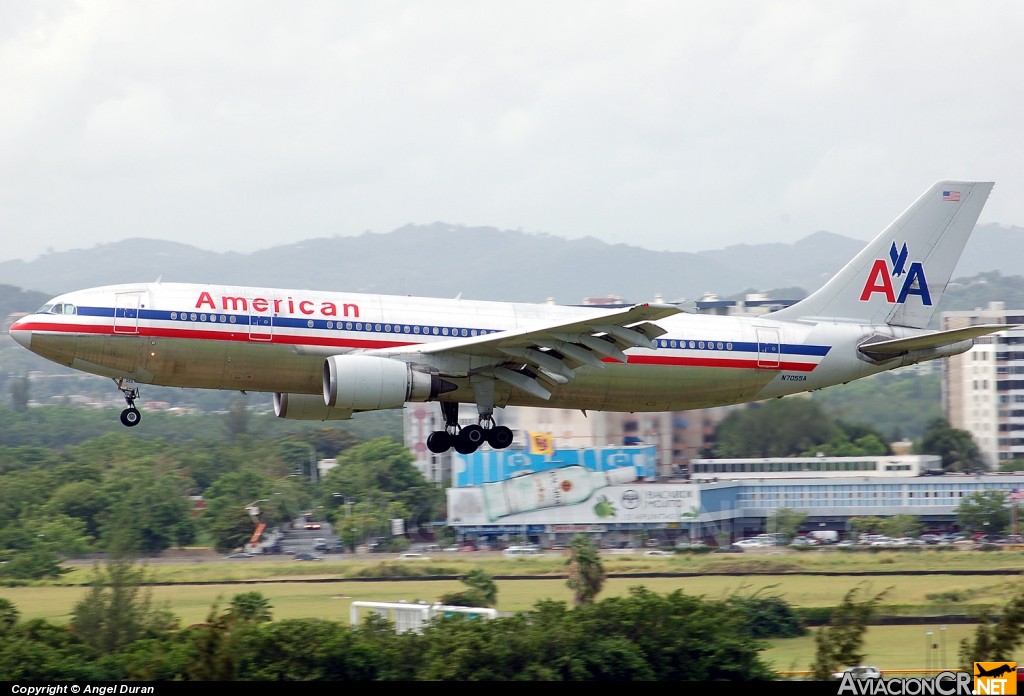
499 437
439 442
131 417
469 439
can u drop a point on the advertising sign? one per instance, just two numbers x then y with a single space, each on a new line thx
573 495
488 465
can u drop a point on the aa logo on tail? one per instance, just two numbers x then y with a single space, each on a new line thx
880 278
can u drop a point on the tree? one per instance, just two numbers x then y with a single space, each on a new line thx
995 642
213 645
1015 464
225 518
793 427
898 526
83 500
236 421
117 610
778 428
482 591
154 511
768 616
373 475
867 524
839 644
984 512
786 522
897 404
957 447
586 572
9 615
249 606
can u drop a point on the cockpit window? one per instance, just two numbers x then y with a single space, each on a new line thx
62 308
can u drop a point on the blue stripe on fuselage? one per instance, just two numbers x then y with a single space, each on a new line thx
415 330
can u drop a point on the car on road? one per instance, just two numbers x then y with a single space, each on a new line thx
240 554
307 557
658 552
860 672
413 557
696 544
749 543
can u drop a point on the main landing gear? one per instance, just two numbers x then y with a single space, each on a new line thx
466 439
131 416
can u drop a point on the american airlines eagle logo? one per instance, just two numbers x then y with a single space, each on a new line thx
883 278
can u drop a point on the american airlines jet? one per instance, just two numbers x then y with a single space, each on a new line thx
329 355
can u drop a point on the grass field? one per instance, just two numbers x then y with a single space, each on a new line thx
327 588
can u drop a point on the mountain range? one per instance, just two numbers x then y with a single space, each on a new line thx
487 263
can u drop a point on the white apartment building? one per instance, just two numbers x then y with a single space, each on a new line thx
983 389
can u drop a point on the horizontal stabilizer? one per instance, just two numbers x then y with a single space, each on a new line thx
938 339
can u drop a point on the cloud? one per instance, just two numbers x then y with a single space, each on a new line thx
669 125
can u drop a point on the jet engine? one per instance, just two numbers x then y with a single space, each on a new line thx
369 383
307 407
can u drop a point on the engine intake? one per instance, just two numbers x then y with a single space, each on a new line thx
370 383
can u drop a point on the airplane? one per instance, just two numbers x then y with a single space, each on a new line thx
330 355
995 671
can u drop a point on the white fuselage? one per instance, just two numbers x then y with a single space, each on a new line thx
274 340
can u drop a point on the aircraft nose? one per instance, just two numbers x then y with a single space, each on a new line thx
20 333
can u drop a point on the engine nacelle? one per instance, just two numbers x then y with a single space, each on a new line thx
307 407
369 383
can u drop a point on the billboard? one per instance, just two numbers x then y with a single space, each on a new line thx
488 465
571 495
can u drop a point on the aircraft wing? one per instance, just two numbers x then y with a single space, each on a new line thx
938 339
526 358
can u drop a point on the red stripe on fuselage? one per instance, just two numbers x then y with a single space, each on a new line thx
355 343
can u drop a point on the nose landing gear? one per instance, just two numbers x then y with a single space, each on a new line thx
131 416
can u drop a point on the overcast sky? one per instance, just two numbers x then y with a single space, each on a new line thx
673 125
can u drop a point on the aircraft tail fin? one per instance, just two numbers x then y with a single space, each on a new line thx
899 276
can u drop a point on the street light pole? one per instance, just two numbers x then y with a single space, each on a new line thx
928 650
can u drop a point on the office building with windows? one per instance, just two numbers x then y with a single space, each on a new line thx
983 389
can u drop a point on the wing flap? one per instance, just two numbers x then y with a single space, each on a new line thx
550 352
518 379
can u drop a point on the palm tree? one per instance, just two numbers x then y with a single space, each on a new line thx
250 606
586 573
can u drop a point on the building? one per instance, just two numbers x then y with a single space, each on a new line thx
983 388
819 467
549 497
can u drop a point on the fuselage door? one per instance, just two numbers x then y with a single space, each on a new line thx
768 349
261 326
126 312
